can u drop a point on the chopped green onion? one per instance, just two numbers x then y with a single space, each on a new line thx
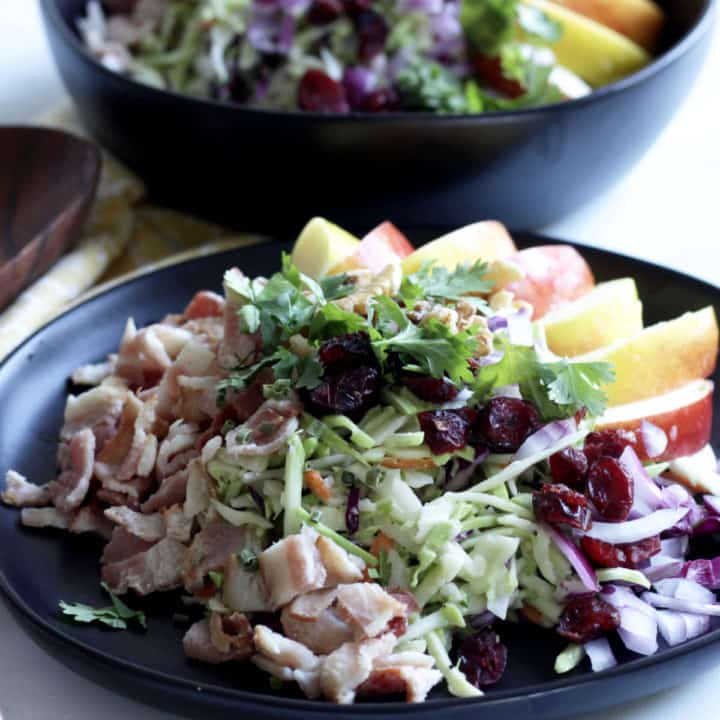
569 658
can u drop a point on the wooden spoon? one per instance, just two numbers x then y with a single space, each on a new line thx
48 180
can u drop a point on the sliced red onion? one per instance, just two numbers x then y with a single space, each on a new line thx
511 391
497 322
648 496
684 589
708 526
460 472
662 566
634 530
426 6
703 572
654 439
675 547
600 654
544 438
688 606
575 557
478 622
358 82
712 503
620 596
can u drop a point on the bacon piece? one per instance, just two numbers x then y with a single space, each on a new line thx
177 526
71 487
116 450
146 527
98 409
46 517
238 348
94 374
243 590
21 493
283 651
177 449
197 492
134 490
171 492
219 639
112 498
204 304
340 566
123 545
211 548
90 519
292 567
313 620
348 667
394 675
307 680
367 608
154 570
266 431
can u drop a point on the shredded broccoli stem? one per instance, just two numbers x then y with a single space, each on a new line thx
448 616
456 681
304 516
360 438
619 574
292 495
569 658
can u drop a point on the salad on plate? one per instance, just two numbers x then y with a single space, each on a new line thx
340 56
353 470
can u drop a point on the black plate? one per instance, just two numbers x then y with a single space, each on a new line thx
267 171
38 568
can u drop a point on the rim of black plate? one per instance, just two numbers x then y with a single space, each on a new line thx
492 698
701 25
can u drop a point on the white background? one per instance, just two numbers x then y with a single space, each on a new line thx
666 210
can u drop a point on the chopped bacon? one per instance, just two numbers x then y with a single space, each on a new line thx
71 487
284 651
46 517
146 527
98 409
21 493
123 545
211 548
219 639
90 519
171 491
238 348
135 489
177 449
267 430
243 590
204 304
94 374
348 667
409 673
177 525
292 567
340 566
197 491
154 570
113 498
367 608
307 680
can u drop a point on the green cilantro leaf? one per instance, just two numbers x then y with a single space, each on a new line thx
488 24
578 385
305 372
115 616
337 286
330 320
439 283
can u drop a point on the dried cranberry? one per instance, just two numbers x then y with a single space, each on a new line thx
348 393
446 430
347 351
569 467
354 7
323 12
628 555
318 92
504 423
610 443
372 32
610 488
426 387
559 505
482 658
587 617
381 100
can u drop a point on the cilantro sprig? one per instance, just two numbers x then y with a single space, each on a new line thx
115 616
438 283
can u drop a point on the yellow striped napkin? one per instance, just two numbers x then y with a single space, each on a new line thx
123 236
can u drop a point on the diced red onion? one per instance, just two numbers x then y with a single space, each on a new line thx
712 503
675 547
544 438
696 624
654 439
684 589
708 526
640 529
703 572
648 496
358 82
575 557
672 627
638 631
478 622
688 606
662 567
497 322
426 6
600 654
519 328
295 7
459 474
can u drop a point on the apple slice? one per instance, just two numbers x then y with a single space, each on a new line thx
554 275
320 245
684 414
487 241
610 311
384 245
697 472
661 358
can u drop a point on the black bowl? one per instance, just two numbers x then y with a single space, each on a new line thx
263 170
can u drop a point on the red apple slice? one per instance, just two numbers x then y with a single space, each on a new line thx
382 246
684 414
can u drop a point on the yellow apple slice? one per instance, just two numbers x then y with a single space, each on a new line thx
320 245
487 241
661 358
596 53
610 311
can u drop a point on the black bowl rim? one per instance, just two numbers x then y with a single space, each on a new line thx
680 47
149 676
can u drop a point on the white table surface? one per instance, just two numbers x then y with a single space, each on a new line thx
666 209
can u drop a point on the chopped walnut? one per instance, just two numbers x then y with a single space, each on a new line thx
446 315
300 346
367 285
501 301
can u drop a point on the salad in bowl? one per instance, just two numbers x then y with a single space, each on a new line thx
355 469
339 56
